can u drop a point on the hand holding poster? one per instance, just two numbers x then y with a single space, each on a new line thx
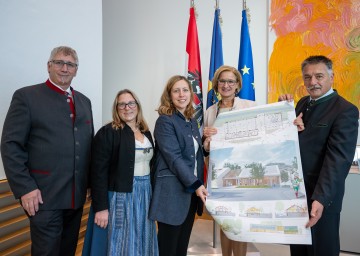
255 179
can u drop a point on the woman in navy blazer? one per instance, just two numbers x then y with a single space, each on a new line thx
178 170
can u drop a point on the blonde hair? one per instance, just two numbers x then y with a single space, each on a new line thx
117 122
167 107
223 69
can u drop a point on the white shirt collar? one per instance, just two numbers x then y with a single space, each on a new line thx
67 90
326 94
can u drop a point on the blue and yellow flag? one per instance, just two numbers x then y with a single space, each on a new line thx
216 58
246 67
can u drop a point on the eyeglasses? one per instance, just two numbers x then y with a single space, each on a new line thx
61 63
229 82
130 104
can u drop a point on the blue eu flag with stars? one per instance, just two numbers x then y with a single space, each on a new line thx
246 67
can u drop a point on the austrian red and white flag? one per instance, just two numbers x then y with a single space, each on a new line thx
194 71
194 67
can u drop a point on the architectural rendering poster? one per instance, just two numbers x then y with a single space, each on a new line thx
255 178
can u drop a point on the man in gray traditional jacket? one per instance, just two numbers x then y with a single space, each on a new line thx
45 148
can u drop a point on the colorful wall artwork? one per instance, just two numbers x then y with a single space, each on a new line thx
314 27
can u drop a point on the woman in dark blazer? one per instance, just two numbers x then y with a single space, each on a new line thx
178 169
122 153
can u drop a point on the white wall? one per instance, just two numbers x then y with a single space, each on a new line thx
30 29
144 44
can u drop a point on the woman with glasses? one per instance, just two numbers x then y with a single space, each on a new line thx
122 153
178 169
227 84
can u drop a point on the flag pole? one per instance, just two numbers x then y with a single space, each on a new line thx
191 3
217 4
244 4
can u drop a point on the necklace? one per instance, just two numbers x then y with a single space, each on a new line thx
220 103
225 103
133 127
135 130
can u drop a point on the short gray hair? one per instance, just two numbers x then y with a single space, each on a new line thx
316 59
66 50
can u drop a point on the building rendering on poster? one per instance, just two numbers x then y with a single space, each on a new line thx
255 179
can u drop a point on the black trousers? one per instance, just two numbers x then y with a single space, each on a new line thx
55 232
174 240
325 238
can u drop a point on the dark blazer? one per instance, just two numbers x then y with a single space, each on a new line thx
112 163
42 149
327 147
173 169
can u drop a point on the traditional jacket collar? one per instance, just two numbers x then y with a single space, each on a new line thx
55 88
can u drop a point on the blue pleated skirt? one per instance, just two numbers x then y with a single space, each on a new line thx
129 231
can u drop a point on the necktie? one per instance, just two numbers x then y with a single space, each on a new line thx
72 106
310 104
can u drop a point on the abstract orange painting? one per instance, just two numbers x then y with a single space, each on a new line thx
311 27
